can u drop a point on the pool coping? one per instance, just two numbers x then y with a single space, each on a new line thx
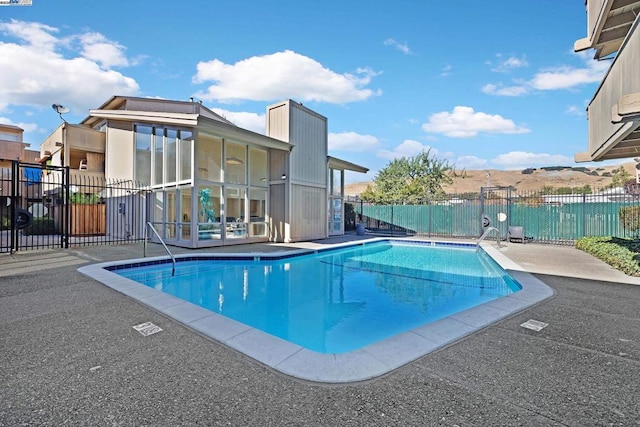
291 359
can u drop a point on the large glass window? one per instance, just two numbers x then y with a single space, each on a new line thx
336 225
257 212
171 210
235 163
170 157
143 154
336 182
158 210
209 157
258 175
185 210
186 147
234 210
209 208
158 153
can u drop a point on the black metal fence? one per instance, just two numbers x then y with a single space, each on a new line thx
75 208
545 218
67 208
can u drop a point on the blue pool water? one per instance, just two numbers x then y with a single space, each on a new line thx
339 300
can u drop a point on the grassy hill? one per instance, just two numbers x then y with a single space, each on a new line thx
571 176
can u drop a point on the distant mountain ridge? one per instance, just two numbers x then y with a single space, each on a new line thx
530 179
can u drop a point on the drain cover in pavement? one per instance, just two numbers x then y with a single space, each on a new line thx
534 325
147 328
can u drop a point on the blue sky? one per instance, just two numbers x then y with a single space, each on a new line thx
484 85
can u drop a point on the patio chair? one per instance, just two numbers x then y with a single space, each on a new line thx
516 233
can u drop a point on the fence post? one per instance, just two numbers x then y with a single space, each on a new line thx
66 184
481 211
14 197
429 216
584 214
391 223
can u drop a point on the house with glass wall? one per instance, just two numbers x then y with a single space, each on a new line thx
209 182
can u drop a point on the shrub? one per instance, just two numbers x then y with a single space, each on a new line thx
555 168
621 254
630 219
84 199
580 169
41 226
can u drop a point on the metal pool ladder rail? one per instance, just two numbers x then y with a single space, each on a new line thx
486 233
144 253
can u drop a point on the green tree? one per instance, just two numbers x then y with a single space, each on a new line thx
410 180
620 177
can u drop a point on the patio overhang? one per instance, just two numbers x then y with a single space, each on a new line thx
336 163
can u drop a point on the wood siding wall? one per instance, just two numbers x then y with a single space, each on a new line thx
308 213
278 121
305 207
623 79
85 139
120 150
277 213
309 156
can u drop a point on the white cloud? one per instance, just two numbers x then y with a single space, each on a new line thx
96 47
464 122
554 78
407 148
566 77
506 65
36 35
351 141
446 71
470 162
523 159
411 148
502 90
402 47
251 121
41 76
27 127
574 110
281 75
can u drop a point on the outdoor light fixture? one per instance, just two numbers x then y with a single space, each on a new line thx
60 109
284 176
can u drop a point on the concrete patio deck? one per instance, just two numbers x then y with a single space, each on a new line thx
69 355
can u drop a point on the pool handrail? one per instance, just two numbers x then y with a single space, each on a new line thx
485 234
144 250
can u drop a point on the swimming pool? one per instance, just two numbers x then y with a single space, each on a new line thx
337 300
348 284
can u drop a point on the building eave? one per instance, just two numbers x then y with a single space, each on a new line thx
335 163
234 132
178 119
